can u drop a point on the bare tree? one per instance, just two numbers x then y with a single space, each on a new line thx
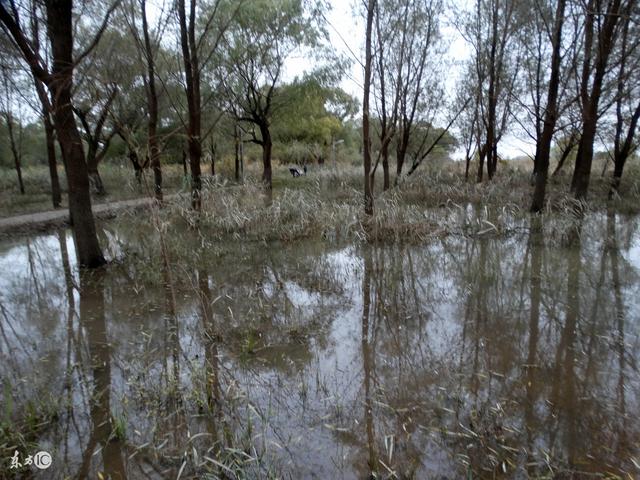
490 31
627 103
600 35
543 146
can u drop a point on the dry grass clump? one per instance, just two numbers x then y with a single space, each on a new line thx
328 204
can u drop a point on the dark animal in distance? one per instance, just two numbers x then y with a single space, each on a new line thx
294 172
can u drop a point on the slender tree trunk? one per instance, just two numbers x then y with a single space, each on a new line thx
236 138
584 158
133 157
192 77
565 154
185 169
212 151
543 149
95 180
152 106
368 195
60 29
623 146
385 167
56 193
401 153
15 149
622 154
266 155
591 99
481 156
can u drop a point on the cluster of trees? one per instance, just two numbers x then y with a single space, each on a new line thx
559 70
562 71
151 74
146 75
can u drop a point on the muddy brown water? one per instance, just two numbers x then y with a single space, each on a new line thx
491 357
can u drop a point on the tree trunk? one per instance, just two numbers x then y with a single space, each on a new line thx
266 156
192 77
481 156
385 167
152 106
195 154
95 180
543 149
563 158
133 157
401 153
185 170
584 159
15 150
236 137
56 193
60 29
591 99
368 196
212 150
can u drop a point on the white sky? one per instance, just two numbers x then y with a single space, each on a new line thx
346 32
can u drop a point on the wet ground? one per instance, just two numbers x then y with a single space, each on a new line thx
486 357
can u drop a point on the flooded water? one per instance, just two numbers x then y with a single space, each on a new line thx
490 357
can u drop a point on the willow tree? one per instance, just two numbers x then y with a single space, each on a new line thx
543 145
263 35
601 32
490 31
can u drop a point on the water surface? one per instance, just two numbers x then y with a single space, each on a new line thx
485 357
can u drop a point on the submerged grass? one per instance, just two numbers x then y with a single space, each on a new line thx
328 203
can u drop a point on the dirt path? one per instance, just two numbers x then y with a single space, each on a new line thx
42 221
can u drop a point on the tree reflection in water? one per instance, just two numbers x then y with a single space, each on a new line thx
484 357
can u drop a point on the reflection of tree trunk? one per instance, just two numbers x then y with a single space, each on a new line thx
68 381
211 364
620 323
564 375
535 239
367 359
92 316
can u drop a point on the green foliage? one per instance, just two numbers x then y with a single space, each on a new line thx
312 112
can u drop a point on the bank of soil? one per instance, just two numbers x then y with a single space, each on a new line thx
43 221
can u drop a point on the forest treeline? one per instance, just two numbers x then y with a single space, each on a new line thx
192 81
